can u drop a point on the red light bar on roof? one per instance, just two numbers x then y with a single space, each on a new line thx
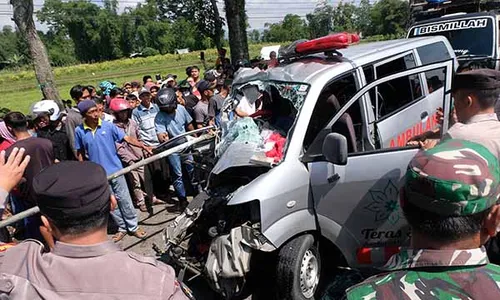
329 42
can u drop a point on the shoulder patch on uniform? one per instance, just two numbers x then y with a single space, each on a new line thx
143 259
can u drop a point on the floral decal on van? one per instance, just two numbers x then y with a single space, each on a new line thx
385 204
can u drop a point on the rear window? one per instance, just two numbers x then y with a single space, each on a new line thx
430 54
433 53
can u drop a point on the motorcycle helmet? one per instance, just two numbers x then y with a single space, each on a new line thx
119 104
49 107
166 98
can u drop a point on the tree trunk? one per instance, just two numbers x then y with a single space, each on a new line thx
23 17
236 23
218 26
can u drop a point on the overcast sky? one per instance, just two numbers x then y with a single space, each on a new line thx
259 11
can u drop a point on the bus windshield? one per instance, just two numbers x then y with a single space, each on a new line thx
469 37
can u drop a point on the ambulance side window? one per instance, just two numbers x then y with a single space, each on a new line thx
394 95
333 97
430 54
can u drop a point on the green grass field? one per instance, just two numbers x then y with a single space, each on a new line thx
20 89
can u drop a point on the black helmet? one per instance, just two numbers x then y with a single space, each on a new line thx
166 98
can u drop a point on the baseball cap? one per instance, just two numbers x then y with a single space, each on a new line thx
455 178
204 85
210 76
62 194
85 105
144 91
480 79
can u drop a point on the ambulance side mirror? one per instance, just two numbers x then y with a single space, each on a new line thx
335 149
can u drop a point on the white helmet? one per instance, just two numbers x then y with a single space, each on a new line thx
47 106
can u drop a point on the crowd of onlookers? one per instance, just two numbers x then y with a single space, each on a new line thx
117 126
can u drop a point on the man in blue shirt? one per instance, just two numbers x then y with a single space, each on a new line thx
171 121
97 139
144 116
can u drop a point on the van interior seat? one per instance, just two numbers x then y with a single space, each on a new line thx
344 125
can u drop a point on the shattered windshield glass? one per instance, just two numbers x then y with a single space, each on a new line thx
260 115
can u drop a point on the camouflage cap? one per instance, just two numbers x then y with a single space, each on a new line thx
455 178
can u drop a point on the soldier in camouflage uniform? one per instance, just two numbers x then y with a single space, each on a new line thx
449 199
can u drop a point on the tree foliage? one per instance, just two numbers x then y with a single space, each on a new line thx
385 17
203 14
291 28
89 31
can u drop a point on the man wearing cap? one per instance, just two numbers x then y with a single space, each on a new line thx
171 121
449 200
97 138
82 263
200 111
170 81
475 94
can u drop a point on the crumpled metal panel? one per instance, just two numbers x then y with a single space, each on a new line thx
236 155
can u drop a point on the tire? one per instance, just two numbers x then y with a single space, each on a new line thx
298 269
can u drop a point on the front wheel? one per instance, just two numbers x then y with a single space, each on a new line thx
298 269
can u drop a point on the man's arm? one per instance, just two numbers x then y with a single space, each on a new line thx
78 145
134 142
80 154
199 118
240 113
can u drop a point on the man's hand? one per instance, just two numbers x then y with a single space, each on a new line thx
428 144
12 170
114 202
440 116
163 137
148 149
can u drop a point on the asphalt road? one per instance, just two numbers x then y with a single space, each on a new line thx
154 225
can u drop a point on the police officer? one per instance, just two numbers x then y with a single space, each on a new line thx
449 199
82 263
475 94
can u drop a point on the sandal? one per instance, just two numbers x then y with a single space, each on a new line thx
139 233
118 236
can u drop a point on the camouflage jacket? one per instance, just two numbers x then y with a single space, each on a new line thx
433 274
